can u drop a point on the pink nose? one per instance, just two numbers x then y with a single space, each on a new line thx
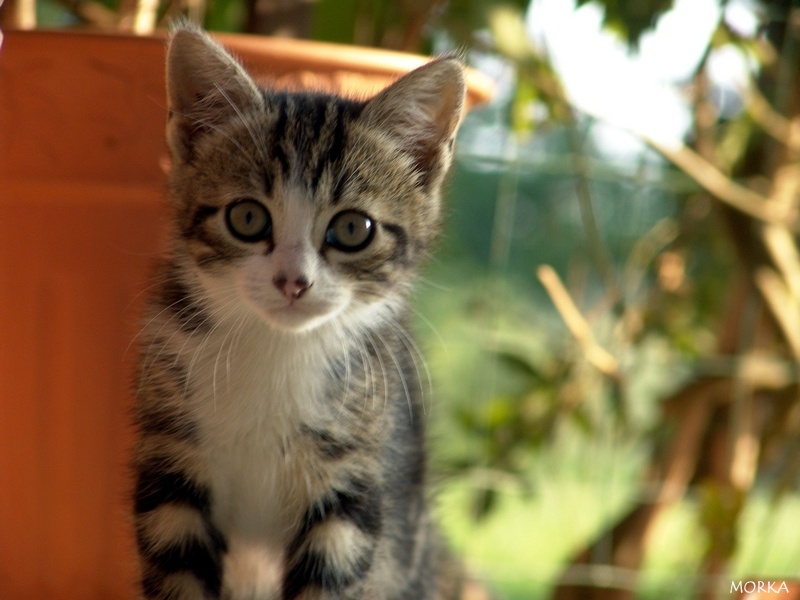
291 288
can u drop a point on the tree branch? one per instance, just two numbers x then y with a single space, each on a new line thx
576 323
723 187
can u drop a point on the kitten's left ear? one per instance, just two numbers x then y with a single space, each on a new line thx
422 111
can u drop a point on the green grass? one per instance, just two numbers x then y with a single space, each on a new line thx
770 539
521 548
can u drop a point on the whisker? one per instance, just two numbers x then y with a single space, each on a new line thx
418 314
205 341
370 383
415 353
368 337
434 284
399 368
340 338
341 335
229 333
240 329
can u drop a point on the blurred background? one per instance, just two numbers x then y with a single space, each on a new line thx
611 323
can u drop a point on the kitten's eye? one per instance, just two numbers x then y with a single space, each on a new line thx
350 231
248 220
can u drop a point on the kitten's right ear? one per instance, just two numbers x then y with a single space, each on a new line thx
206 87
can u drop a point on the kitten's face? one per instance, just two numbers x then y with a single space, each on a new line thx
303 208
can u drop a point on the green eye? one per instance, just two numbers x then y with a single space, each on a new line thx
248 220
350 231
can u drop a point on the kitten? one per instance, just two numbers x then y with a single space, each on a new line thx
280 451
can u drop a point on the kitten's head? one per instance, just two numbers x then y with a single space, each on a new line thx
303 207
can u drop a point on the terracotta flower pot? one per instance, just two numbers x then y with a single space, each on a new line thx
81 175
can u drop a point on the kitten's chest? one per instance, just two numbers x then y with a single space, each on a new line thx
252 407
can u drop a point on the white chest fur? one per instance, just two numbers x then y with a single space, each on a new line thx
252 390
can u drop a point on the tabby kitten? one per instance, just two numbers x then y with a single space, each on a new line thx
280 451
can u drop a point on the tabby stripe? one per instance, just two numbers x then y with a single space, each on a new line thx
198 231
157 585
319 116
152 581
167 421
329 445
193 556
279 132
332 156
267 180
158 486
366 272
311 570
359 504
267 177
338 188
338 139
401 242
164 373
176 299
196 226
320 113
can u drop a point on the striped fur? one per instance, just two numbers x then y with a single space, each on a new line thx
280 451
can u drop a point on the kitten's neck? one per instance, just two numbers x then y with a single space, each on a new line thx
246 363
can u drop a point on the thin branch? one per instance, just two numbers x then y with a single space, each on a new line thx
743 447
770 120
576 323
723 187
762 371
782 304
783 249
714 181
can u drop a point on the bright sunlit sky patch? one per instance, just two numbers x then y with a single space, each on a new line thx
639 90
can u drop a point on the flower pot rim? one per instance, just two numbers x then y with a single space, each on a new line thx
288 52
